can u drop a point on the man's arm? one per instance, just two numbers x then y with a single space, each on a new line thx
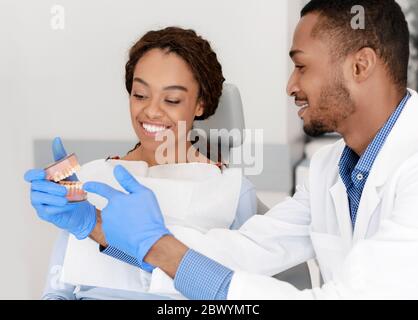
196 276
268 238
97 234
134 223
380 267
247 207
170 255
166 254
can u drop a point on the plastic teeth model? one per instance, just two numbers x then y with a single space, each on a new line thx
63 169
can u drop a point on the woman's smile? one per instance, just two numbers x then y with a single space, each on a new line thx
151 129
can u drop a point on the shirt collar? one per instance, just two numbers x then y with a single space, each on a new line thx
351 165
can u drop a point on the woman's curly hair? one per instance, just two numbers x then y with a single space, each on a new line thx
195 51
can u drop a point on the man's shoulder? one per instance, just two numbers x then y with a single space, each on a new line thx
407 172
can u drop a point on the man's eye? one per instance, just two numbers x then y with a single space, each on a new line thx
172 101
300 67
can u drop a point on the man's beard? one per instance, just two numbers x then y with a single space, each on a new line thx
334 105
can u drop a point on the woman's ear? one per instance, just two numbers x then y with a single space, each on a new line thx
199 109
365 61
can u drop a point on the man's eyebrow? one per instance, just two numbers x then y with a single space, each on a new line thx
292 53
174 87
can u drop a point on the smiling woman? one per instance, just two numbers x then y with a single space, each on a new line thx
173 77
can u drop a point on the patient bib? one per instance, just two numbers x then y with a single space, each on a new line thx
193 197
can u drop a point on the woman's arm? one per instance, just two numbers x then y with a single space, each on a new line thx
247 204
54 288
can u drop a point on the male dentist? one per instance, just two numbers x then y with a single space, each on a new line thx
357 214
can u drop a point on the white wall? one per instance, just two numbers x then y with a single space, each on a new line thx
70 83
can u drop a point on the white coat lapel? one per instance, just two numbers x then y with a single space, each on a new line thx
342 211
401 143
370 199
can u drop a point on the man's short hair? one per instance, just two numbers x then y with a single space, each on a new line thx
385 31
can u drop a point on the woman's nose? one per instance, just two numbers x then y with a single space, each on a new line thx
153 110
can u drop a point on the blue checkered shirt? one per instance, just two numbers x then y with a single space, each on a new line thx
354 170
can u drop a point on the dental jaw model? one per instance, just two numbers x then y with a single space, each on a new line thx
61 170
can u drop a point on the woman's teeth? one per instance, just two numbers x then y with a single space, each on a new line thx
153 128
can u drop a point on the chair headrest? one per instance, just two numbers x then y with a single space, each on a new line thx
228 119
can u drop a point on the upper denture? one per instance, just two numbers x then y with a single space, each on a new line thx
63 169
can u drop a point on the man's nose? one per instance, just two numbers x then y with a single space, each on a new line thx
292 85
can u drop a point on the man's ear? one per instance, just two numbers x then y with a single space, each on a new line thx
199 109
364 64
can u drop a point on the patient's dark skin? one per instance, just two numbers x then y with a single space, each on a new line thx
151 102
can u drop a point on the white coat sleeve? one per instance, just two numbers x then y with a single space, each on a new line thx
383 266
265 244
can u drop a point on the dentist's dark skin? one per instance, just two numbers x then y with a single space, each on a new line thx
357 118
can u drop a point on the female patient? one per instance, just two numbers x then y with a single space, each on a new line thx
173 77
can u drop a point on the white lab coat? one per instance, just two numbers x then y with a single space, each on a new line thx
378 260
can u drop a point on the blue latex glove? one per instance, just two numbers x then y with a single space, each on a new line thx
131 222
48 199
58 152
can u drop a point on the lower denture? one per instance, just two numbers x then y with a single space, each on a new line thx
75 192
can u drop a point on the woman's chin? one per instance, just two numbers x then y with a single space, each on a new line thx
149 143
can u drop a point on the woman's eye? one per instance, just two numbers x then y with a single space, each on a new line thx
172 101
139 96
300 67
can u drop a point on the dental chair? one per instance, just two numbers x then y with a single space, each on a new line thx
229 116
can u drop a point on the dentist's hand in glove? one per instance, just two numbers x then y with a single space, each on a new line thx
48 199
132 221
